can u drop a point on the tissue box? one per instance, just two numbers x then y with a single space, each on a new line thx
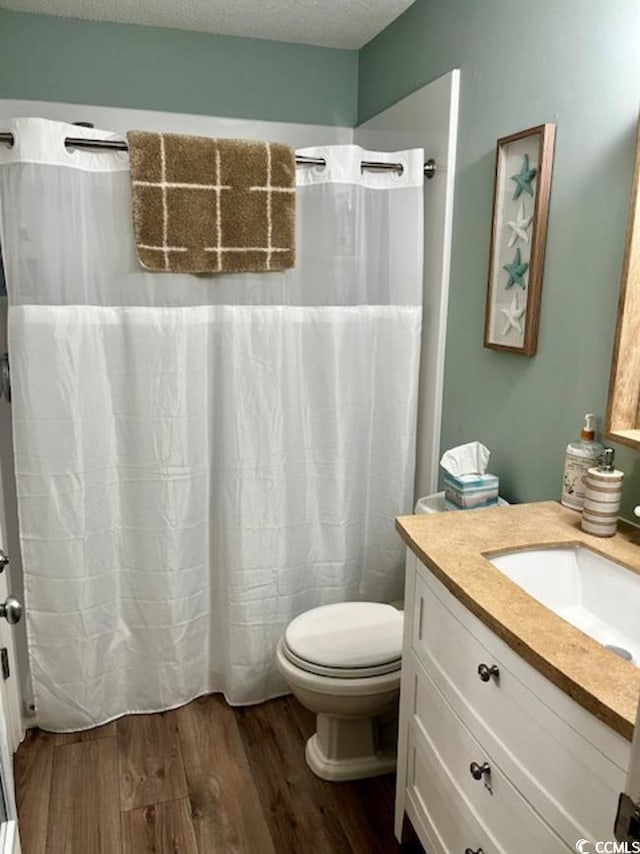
468 491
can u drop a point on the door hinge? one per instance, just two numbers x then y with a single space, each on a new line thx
627 827
5 377
4 661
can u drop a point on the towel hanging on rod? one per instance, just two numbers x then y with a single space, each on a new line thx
203 205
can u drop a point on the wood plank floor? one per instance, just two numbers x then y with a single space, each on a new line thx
203 779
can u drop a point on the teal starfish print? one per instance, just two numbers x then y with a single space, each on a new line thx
524 178
516 270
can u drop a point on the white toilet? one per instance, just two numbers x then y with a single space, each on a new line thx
343 662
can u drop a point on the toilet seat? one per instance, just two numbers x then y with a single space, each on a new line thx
347 640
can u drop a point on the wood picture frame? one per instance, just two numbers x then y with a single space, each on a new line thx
522 188
622 422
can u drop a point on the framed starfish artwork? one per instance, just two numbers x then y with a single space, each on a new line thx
524 162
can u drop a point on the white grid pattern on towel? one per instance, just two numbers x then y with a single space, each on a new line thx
164 248
217 188
163 184
186 185
269 189
218 213
165 211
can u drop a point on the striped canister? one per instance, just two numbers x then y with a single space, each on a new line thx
603 490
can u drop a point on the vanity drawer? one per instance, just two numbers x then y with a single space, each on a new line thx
457 810
561 773
444 823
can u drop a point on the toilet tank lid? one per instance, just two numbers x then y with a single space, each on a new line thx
347 634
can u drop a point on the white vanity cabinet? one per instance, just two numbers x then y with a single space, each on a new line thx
545 772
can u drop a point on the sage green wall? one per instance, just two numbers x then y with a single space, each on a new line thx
46 58
575 63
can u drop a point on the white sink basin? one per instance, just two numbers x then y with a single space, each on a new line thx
596 595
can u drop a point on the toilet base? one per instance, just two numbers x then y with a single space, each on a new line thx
351 749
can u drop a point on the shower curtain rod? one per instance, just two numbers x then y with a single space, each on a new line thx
120 145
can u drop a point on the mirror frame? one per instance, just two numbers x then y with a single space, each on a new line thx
623 406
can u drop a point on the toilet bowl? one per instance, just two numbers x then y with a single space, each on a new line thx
343 662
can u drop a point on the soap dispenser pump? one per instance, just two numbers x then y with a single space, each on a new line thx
579 457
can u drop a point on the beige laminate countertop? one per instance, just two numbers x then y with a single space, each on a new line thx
453 545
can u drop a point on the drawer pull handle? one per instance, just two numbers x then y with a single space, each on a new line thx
485 673
478 771
471 851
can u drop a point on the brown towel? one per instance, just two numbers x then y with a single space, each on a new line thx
212 205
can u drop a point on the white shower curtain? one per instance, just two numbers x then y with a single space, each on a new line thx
199 459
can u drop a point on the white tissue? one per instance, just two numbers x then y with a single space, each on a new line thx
472 458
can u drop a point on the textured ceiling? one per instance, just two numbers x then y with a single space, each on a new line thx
330 23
